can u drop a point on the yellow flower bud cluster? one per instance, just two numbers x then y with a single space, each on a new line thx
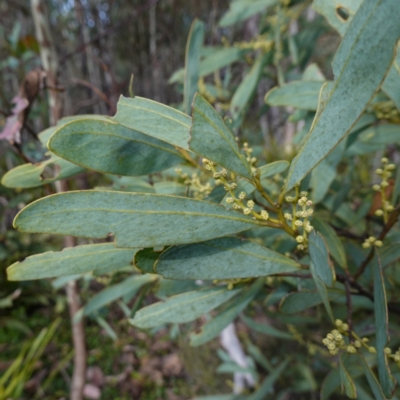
387 110
385 173
335 342
261 42
238 202
371 241
394 356
247 151
301 211
311 347
198 189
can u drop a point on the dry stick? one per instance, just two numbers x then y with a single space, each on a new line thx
394 215
50 63
96 90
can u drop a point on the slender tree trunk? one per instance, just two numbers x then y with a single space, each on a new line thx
92 67
50 65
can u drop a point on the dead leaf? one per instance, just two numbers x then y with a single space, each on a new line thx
95 376
91 392
172 365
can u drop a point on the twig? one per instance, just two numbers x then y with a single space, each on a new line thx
96 90
364 292
349 303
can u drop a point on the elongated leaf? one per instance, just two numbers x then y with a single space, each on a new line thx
300 301
338 13
347 382
391 85
274 168
135 219
70 261
211 138
382 134
192 62
298 94
223 258
313 73
323 292
171 188
220 58
372 34
45 135
212 328
371 378
335 11
331 382
154 119
182 308
145 259
322 177
240 10
335 246
216 58
105 146
33 175
320 259
114 292
268 384
266 329
386 379
243 94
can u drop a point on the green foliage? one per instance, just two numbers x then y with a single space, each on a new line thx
234 229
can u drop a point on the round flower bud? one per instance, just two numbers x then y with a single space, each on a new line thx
309 228
338 322
384 184
387 350
298 223
379 171
384 160
378 243
391 167
351 349
230 200
379 213
376 187
299 239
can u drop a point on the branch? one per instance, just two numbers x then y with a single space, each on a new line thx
96 90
